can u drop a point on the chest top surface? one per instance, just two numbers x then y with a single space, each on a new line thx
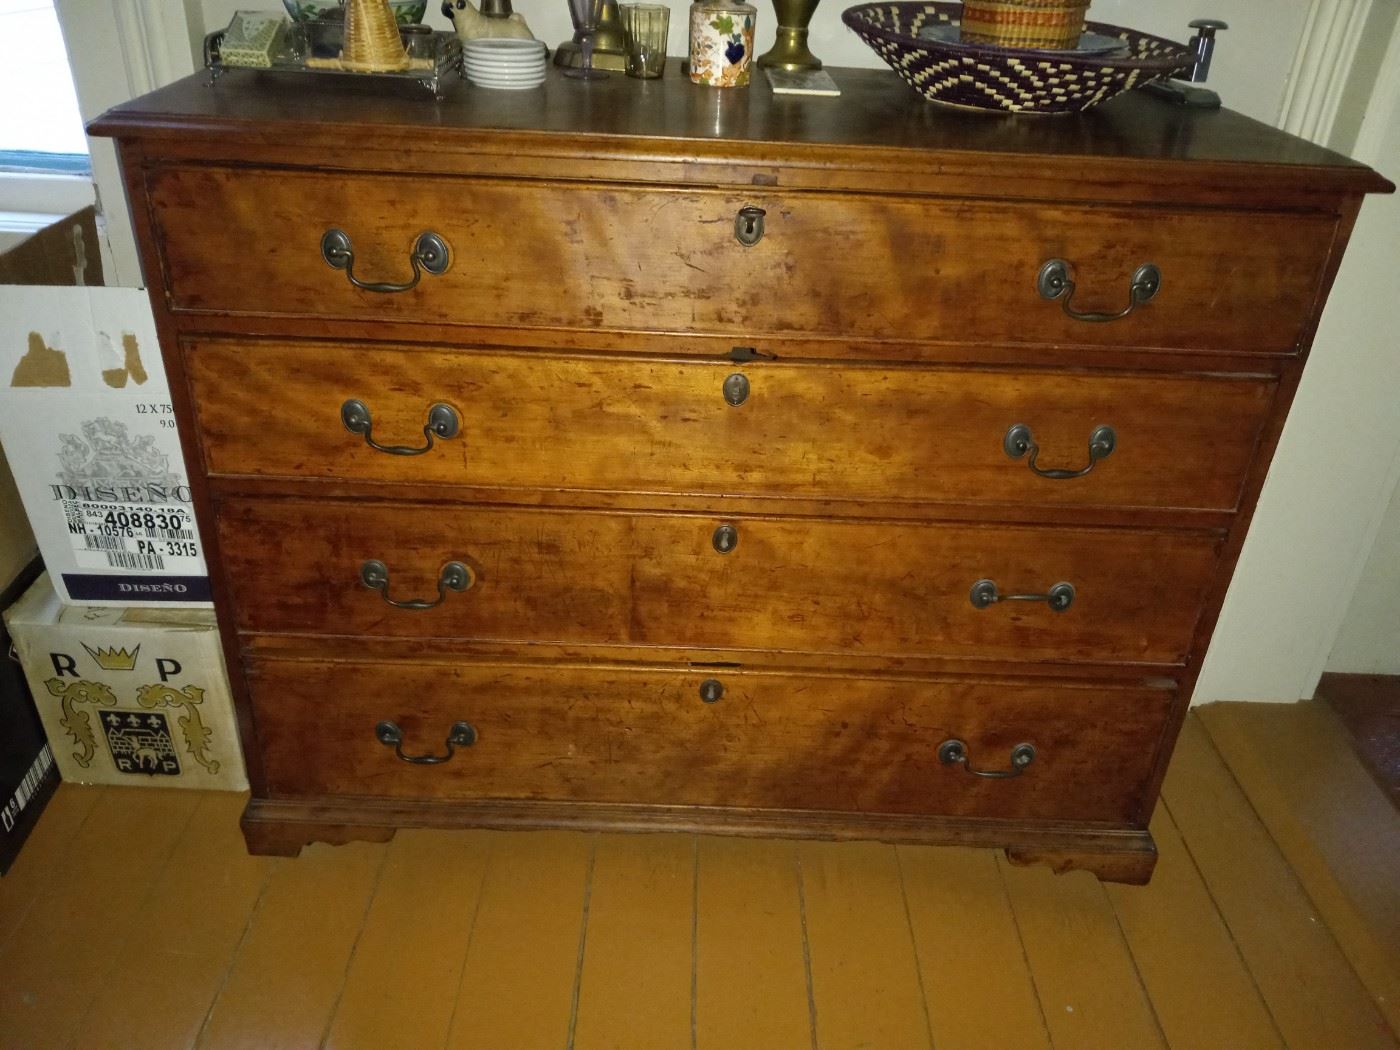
877 124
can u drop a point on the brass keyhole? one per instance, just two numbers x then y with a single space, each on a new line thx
726 538
736 389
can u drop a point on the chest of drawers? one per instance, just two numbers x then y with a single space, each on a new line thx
636 456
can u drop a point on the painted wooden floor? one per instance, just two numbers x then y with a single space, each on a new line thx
135 920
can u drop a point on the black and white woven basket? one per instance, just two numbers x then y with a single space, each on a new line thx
1007 80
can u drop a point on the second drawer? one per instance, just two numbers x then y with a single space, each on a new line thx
588 578
598 424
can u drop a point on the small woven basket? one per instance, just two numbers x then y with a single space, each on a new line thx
1053 24
372 42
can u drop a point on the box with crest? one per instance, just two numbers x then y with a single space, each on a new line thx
129 696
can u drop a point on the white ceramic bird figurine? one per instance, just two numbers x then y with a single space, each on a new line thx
471 24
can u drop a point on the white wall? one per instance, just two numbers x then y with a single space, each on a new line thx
1368 641
1333 475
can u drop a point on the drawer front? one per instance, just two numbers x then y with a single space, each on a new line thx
764 741
826 432
659 580
669 260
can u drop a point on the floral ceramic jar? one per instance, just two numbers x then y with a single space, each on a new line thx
721 42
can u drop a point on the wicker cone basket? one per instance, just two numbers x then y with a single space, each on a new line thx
1024 23
372 43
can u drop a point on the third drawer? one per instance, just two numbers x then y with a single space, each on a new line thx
865 588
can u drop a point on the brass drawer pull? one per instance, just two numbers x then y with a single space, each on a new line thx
429 255
462 734
954 752
442 422
748 225
1055 282
454 576
1019 441
984 593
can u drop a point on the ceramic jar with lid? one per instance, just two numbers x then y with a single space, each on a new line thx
721 42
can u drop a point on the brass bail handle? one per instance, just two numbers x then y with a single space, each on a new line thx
985 593
443 422
1019 440
1055 282
461 734
429 255
954 753
454 576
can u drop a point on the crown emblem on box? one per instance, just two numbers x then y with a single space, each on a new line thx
110 659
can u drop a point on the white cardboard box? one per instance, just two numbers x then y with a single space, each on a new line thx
89 431
129 696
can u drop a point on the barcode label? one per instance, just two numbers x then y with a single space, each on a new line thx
123 560
42 763
105 543
170 534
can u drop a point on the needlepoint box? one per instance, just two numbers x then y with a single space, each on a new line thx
129 696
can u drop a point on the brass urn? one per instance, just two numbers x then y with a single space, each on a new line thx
790 50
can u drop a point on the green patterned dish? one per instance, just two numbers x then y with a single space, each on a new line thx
407 12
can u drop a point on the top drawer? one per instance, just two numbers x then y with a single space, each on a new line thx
671 260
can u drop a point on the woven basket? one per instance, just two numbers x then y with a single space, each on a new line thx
1024 23
1007 80
372 42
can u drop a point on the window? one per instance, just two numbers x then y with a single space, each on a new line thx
45 171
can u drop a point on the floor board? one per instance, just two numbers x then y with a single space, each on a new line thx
289 969
752 987
517 987
53 965
634 988
1089 988
976 979
185 933
135 918
407 966
1306 980
865 975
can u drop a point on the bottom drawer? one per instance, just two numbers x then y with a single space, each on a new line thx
707 737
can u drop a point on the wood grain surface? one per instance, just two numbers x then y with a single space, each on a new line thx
861 587
827 264
618 424
771 740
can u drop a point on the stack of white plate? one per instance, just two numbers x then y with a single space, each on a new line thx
506 64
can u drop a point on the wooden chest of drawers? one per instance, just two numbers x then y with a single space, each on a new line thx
623 455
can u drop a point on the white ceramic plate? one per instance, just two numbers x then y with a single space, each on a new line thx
522 66
512 85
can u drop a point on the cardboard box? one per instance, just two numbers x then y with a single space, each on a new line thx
129 696
28 775
87 425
